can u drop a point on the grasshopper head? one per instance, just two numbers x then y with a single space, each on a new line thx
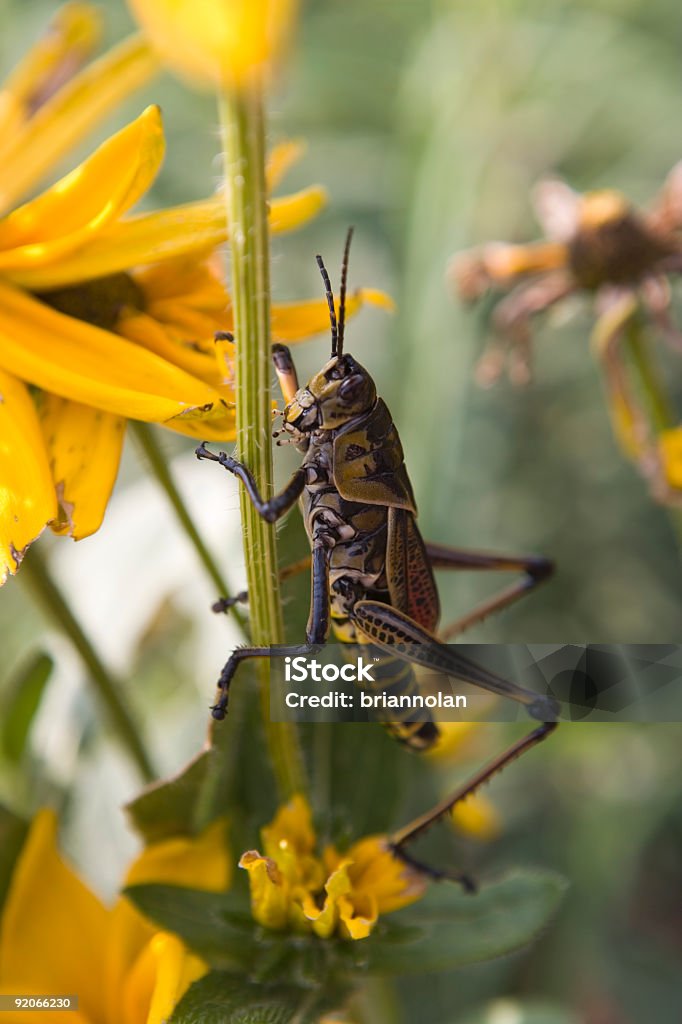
340 391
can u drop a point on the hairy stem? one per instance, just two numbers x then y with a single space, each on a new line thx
243 134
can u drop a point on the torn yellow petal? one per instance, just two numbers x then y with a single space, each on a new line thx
53 928
76 108
81 204
325 919
84 448
216 42
155 237
670 447
478 817
68 357
295 320
71 37
175 970
27 496
283 156
198 862
269 890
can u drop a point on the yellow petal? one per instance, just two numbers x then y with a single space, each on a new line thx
129 935
84 447
291 828
269 891
154 237
478 817
452 737
81 205
283 156
290 212
76 360
670 447
27 496
53 928
71 36
198 862
378 875
296 320
155 337
176 970
66 117
214 42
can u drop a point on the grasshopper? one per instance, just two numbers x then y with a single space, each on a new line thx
371 573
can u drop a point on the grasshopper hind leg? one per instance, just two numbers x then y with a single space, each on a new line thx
411 832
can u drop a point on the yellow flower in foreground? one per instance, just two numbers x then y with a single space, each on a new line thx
217 42
104 316
57 937
342 894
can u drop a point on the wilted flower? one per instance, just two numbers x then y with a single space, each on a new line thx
214 43
57 937
332 894
598 244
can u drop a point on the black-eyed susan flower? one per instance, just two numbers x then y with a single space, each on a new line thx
596 244
343 894
217 43
104 316
56 936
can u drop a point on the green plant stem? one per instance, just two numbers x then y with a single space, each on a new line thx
36 574
145 437
662 415
243 134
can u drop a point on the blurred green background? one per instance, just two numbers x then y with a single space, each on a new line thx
428 123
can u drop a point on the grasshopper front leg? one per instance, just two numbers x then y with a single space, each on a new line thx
271 511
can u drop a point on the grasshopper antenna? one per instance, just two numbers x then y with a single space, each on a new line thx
330 302
342 292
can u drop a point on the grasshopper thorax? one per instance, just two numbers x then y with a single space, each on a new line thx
341 391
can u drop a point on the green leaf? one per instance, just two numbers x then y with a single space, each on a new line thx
12 836
169 808
23 700
225 998
450 928
217 926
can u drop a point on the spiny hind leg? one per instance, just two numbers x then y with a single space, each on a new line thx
535 571
401 839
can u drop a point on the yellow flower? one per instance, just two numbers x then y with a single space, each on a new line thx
600 245
105 316
57 937
214 43
335 894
